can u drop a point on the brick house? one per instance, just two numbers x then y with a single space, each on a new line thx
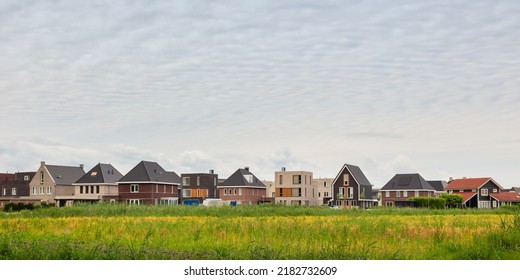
477 192
15 187
402 187
148 183
51 182
242 187
199 185
98 184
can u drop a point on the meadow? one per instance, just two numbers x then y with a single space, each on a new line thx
107 231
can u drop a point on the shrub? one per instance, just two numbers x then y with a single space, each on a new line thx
429 202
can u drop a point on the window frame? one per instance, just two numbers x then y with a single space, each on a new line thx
134 188
484 192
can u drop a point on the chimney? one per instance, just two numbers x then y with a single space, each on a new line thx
451 179
211 171
283 169
247 168
82 166
42 163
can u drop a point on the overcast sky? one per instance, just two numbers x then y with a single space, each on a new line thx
391 86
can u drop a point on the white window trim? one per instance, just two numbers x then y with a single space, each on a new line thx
350 192
405 193
13 191
484 192
134 188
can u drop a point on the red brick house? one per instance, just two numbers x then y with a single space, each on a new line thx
402 187
242 187
148 183
476 192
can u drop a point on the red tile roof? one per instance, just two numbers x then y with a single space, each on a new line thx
467 184
506 196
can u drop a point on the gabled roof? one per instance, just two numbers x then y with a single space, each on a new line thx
466 196
101 174
356 172
407 182
149 171
469 183
438 185
239 179
65 175
506 196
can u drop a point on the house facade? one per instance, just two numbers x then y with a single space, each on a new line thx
98 184
324 188
148 183
398 191
243 187
15 186
199 185
476 192
351 188
295 188
54 181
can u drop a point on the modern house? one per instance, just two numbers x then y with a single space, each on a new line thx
295 188
199 186
14 186
402 187
242 187
149 183
54 181
98 184
270 191
351 188
324 189
476 192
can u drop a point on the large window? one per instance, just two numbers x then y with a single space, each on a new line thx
416 193
186 193
485 204
34 190
350 192
387 194
341 192
49 190
80 189
296 192
346 179
13 191
484 192
297 179
42 190
185 181
134 201
405 193
97 189
134 188
398 194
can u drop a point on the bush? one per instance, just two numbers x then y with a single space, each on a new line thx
429 202
16 207
452 200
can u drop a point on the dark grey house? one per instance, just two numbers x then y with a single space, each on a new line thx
351 189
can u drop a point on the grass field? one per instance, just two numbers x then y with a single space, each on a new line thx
259 232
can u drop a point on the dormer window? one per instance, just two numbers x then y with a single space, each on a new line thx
94 173
249 178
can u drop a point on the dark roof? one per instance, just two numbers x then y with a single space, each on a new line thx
148 171
65 175
515 189
358 175
99 174
438 185
407 182
238 179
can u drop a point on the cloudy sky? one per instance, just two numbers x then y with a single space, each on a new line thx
391 86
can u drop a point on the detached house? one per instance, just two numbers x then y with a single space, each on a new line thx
478 192
14 186
295 188
404 186
199 185
149 183
54 183
98 184
351 188
242 187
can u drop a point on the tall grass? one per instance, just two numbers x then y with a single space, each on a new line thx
265 232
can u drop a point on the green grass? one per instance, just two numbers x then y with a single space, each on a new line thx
107 231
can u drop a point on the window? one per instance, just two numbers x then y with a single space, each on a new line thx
305 179
4 192
185 181
86 189
225 191
325 184
229 192
494 204
42 190
35 190
198 180
134 188
49 190
214 181
297 179
41 177
341 192
495 190
405 193
240 191
249 178
280 192
296 192
389 204
319 194
326 194
186 193
350 192
134 201
387 194
398 194
13 191
91 189
416 193
235 191
198 192
484 192
345 179
484 204
273 193
80 189
94 173
97 189
26 178
281 179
